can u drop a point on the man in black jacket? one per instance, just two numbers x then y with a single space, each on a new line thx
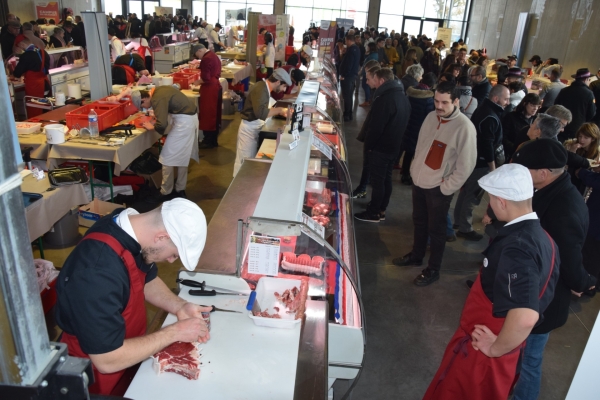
481 85
486 119
564 216
384 128
348 71
579 99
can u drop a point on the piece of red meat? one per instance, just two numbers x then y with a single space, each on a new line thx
181 358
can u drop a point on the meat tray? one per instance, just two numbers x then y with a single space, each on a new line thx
67 176
266 299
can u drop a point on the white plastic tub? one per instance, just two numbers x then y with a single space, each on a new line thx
25 128
266 299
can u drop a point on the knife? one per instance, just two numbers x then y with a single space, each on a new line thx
204 292
253 304
213 309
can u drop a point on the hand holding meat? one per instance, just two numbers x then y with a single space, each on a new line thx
191 310
148 126
483 339
190 330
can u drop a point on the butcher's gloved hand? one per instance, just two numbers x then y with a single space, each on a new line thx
190 330
191 310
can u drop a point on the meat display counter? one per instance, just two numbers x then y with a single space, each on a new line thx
175 50
299 206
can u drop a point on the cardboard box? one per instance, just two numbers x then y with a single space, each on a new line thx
92 212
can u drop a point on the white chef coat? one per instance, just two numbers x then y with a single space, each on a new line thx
135 45
181 144
116 49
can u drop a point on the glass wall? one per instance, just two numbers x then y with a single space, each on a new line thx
454 13
113 6
303 13
214 11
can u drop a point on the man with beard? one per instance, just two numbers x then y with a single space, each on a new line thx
106 280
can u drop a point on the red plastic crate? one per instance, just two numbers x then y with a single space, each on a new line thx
108 115
185 79
126 107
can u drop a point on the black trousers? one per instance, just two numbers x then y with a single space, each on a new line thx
591 256
406 161
347 86
210 137
381 166
430 208
364 176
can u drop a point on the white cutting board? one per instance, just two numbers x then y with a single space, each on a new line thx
240 361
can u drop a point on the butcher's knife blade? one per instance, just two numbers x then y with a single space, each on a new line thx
253 304
225 289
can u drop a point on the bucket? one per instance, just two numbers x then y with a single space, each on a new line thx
65 232
60 98
55 133
166 81
156 80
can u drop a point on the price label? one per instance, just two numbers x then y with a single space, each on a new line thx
323 148
306 120
294 144
314 225
263 255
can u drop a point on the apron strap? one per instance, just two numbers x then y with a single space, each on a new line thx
116 246
551 265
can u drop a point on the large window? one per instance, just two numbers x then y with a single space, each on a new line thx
113 6
303 13
453 12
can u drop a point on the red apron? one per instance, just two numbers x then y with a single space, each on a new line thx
129 72
35 85
211 95
466 373
134 314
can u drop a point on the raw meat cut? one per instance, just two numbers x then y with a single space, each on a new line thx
181 358
294 299
265 314
302 263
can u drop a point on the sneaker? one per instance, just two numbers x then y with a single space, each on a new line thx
451 238
367 217
181 194
469 283
382 215
406 261
472 236
427 277
359 194
406 180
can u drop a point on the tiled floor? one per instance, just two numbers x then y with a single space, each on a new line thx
407 327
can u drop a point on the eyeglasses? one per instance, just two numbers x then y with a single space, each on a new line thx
473 75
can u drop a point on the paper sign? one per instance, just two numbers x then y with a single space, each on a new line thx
445 34
306 120
294 144
48 10
314 225
296 134
263 255
322 147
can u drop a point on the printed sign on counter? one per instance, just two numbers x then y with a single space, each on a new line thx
263 255
314 225
323 148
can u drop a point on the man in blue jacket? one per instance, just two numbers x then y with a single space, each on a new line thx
383 130
348 72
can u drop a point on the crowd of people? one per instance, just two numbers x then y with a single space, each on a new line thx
453 130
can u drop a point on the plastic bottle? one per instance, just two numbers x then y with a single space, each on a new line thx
93 123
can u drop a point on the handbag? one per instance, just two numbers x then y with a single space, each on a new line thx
146 164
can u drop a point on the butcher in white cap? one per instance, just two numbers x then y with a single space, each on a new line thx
506 301
111 274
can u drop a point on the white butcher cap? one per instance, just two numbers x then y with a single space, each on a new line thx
307 50
510 182
186 225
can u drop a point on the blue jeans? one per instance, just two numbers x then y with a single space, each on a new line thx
366 87
449 229
528 385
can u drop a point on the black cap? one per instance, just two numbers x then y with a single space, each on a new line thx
541 154
535 58
512 57
582 73
218 25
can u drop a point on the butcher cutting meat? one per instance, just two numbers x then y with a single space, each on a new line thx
106 280
507 300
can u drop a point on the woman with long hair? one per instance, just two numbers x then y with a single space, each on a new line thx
516 120
453 69
409 59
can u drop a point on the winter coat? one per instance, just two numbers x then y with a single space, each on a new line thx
468 102
387 119
486 120
421 104
408 81
482 90
579 99
564 215
512 124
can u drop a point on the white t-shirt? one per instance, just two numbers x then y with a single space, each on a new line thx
135 45
200 33
213 38
117 48
270 56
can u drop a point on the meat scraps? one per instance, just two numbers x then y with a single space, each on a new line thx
181 358
265 314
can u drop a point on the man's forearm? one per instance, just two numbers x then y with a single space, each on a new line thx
158 294
133 351
517 326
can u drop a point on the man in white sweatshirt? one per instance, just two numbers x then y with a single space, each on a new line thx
444 158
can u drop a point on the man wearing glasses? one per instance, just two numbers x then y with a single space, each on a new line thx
481 85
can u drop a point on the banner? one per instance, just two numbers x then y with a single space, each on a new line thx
344 23
281 37
163 10
445 34
327 38
48 10
235 15
269 22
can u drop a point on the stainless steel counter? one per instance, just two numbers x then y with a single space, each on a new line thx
219 255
